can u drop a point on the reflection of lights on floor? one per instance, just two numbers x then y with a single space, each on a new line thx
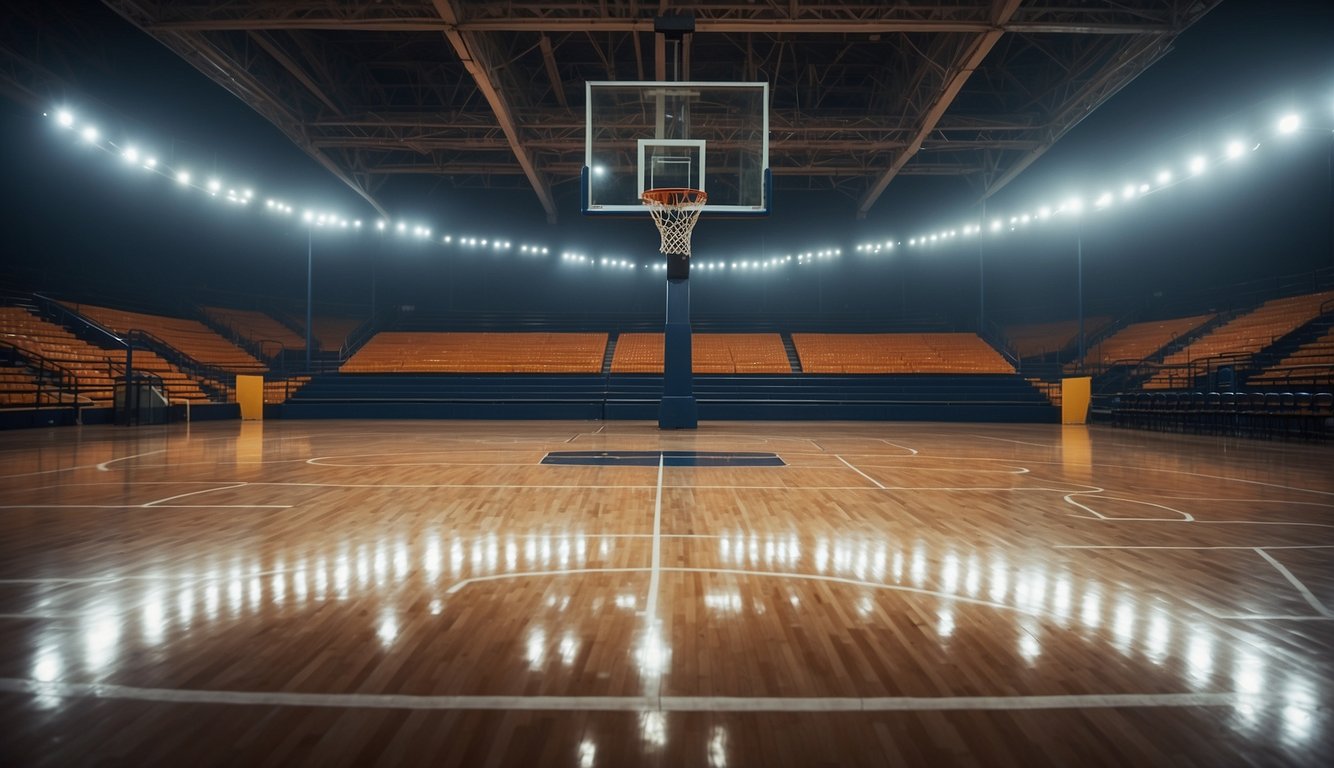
653 727
718 748
587 753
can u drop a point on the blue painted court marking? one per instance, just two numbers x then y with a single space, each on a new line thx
668 458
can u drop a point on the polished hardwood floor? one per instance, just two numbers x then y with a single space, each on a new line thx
386 593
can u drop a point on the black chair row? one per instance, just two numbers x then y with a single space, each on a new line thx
1253 414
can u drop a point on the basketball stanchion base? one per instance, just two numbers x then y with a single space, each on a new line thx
678 413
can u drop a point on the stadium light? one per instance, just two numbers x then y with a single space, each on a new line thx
1198 165
64 118
1235 149
380 225
214 185
89 134
150 162
182 177
1289 123
1164 177
130 154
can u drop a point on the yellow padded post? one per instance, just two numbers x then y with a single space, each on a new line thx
1075 396
250 396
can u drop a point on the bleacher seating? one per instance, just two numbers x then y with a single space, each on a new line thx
1244 335
443 352
1039 339
897 353
331 331
189 336
93 366
19 388
710 353
257 327
1310 364
279 390
1140 340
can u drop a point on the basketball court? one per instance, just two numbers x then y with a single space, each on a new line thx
521 593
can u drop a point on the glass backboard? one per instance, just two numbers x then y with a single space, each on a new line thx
647 135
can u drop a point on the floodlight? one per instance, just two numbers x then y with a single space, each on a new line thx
484 241
150 162
599 170
1104 200
130 154
996 225
307 216
89 134
183 177
1074 205
247 193
1289 123
402 227
1235 149
1128 192
380 225
1044 212
448 238
214 185
1143 188
357 223
1197 165
1164 177
64 118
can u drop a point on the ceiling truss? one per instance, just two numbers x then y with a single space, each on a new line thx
490 93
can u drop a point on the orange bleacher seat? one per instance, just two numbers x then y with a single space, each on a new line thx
438 352
1244 335
191 337
710 353
898 353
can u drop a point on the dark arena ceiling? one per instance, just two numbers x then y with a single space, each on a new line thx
491 93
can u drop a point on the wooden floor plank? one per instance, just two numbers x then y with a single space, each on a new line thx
354 593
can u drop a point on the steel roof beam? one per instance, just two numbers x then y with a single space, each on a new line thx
466 46
971 59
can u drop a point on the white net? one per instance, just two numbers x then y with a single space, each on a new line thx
675 211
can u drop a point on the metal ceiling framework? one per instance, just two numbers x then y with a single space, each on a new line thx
490 93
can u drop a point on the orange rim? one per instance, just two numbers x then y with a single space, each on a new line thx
674 196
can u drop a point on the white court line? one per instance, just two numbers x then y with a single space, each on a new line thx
1305 593
858 471
1186 517
103 467
654 581
533 574
1020 442
193 493
775 574
625 703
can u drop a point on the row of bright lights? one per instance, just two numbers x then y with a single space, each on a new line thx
616 262
1075 206
312 217
244 196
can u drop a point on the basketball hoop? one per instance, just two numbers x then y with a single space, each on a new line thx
675 211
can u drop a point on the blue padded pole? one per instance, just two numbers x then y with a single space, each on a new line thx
678 409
